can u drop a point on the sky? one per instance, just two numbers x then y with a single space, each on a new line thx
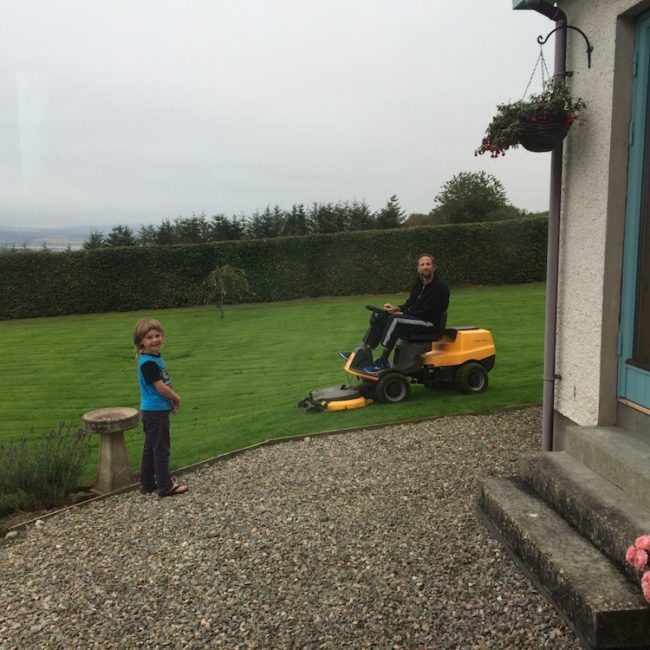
135 111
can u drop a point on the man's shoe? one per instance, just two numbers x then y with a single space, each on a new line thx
344 355
377 367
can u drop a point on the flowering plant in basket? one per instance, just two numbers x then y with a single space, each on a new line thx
553 110
637 556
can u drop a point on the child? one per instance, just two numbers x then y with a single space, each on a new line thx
157 399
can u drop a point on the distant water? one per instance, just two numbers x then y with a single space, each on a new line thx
32 246
54 239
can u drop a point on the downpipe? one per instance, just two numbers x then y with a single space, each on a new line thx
553 246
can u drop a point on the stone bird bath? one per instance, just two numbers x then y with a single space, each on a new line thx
113 468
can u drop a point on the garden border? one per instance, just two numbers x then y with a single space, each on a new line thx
236 452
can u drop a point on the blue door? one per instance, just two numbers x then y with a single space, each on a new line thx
634 342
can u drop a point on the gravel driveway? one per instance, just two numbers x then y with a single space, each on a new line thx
365 539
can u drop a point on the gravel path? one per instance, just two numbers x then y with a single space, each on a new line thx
367 539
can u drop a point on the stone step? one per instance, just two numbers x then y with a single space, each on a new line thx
606 610
620 456
608 517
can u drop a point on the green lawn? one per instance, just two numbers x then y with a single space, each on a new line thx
240 378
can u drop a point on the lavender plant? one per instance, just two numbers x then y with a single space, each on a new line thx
40 472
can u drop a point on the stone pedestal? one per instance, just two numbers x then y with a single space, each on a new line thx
113 468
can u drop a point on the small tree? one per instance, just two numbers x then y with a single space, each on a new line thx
191 230
326 218
166 233
223 229
96 240
391 215
296 222
147 235
220 281
265 224
359 216
120 236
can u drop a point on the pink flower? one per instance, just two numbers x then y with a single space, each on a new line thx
643 542
645 585
645 579
637 557
646 595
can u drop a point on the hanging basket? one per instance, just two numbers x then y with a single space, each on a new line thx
543 136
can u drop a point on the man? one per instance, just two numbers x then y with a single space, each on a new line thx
422 313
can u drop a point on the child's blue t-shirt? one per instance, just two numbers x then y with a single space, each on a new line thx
150 398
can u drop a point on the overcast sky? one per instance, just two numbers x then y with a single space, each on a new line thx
133 111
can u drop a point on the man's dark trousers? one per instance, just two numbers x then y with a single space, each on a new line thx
386 328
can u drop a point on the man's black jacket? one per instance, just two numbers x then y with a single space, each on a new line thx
427 301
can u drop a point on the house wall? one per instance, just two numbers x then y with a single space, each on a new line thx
593 210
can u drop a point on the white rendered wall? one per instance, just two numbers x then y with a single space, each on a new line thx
586 340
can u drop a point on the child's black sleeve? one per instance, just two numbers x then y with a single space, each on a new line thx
151 372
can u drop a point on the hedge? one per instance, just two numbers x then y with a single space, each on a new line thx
46 283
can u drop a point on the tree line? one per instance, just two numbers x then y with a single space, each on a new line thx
319 218
468 197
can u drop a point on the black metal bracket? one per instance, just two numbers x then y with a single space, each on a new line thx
590 48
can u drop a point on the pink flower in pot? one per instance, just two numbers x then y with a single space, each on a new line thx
637 557
645 585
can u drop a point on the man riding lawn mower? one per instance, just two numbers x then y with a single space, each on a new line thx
427 352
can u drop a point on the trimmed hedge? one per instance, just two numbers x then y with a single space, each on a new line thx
45 283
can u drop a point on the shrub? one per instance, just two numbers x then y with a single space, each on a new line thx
41 472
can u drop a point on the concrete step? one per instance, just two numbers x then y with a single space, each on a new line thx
620 456
606 610
608 517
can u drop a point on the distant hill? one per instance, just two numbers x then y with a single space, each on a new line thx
52 238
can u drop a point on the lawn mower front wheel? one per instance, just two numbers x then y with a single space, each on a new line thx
393 388
471 377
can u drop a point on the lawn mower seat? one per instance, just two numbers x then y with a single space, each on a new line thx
433 335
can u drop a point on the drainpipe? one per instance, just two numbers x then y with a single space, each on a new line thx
553 247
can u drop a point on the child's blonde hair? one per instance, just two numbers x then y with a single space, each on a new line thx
143 326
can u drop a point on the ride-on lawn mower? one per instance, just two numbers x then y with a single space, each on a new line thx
461 356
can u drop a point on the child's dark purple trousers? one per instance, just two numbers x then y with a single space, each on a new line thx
154 470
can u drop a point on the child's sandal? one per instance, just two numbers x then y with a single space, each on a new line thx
176 488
